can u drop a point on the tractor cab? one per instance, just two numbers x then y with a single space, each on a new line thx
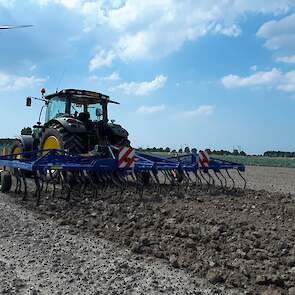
80 104
76 121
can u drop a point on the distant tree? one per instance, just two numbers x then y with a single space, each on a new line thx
208 151
187 150
167 150
194 151
160 150
180 151
154 149
26 131
174 151
242 153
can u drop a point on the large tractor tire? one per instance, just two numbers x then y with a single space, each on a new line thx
57 137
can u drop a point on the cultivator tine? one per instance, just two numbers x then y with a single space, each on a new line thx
38 189
53 179
230 177
119 181
186 180
23 177
243 178
66 180
139 183
190 180
224 178
84 180
217 176
155 178
198 179
93 183
204 178
211 179
18 181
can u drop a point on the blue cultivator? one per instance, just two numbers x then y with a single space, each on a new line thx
111 168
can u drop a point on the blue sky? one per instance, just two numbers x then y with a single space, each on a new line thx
208 74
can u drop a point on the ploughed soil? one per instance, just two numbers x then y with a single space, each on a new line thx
241 240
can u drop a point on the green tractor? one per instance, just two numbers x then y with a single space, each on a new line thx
76 121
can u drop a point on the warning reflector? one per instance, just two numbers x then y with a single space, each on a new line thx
126 157
204 159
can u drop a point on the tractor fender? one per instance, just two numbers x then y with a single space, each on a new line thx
70 124
29 142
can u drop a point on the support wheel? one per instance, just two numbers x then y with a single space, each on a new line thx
5 182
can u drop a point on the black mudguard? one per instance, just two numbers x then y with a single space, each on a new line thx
77 127
29 142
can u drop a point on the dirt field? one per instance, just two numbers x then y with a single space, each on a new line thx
170 243
272 179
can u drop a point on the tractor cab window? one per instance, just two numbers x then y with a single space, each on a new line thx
76 109
95 112
56 108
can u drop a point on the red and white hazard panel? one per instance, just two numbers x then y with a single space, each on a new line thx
126 157
204 159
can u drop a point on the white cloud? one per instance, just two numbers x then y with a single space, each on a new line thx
254 68
204 110
231 31
286 59
279 34
145 24
112 77
8 4
151 109
94 15
70 4
288 83
33 68
142 88
101 59
269 78
151 29
11 82
274 78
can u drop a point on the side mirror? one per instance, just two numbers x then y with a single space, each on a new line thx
29 102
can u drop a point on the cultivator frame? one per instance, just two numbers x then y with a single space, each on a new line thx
104 170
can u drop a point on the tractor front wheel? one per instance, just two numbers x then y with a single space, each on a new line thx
56 137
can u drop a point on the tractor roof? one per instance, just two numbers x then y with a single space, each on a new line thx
81 96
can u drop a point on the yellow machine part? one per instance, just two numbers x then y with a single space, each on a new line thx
16 151
51 143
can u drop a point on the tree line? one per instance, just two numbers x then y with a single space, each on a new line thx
190 150
279 154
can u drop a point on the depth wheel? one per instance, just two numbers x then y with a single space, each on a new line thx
5 181
56 137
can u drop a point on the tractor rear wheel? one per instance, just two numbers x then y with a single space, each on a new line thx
56 137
